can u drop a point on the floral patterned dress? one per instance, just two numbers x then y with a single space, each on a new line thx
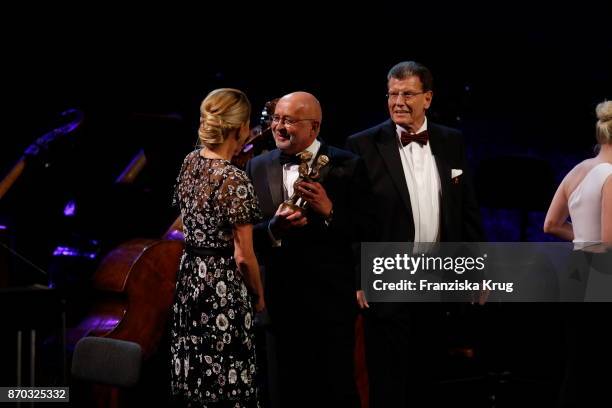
211 333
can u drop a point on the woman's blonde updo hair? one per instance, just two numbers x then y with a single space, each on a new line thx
604 122
222 111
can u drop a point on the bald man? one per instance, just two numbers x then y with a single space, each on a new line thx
307 258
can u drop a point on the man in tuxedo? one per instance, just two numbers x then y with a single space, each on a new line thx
307 257
422 193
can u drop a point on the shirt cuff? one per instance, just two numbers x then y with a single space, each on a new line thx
275 242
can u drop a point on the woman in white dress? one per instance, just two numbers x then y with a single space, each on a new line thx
585 194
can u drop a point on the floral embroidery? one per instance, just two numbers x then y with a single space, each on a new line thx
211 334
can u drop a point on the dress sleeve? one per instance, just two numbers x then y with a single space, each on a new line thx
239 202
175 191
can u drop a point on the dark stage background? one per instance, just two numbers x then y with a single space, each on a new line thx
523 95
529 93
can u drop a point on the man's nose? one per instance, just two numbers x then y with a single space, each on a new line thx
280 125
400 101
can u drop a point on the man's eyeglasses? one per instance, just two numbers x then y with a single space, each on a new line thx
276 119
392 96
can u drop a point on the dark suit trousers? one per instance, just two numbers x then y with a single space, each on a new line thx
403 356
315 363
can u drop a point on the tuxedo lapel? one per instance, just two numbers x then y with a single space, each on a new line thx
274 172
389 150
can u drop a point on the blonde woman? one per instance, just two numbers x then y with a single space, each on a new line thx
586 193
211 333
586 196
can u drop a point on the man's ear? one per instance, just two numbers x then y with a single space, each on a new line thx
428 98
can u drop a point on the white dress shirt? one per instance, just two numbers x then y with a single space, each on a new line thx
423 183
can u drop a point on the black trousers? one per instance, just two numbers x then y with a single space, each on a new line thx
315 363
403 355
587 376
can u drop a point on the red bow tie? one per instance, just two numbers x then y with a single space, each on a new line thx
420 138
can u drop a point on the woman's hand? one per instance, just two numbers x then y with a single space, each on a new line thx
260 305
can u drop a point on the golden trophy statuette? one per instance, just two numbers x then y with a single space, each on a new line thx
295 202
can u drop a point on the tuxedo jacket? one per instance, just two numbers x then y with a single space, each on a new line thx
312 274
459 212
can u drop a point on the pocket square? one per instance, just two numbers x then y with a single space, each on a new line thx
456 173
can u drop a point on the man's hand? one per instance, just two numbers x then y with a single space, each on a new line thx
286 219
361 300
316 196
481 296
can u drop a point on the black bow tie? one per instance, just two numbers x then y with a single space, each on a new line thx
289 158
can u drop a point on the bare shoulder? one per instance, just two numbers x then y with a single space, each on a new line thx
578 173
575 176
607 186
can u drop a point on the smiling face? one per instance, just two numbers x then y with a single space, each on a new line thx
408 102
296 122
